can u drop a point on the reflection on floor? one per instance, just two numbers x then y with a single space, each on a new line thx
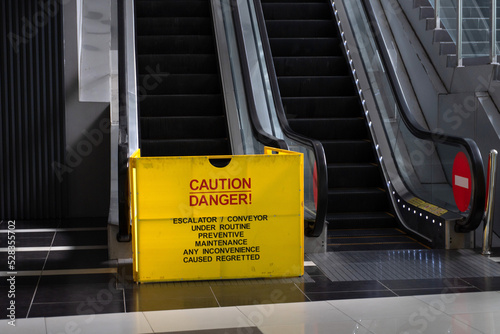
76 294
471 313
64 271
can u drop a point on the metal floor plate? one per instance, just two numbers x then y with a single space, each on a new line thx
404 264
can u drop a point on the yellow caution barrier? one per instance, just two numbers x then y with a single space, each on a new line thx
192 220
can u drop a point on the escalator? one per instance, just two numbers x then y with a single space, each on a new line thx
180 98
320 100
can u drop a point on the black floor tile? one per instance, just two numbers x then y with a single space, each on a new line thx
109 279
90 307
35 239
431 283
232 295
54 289
434 291
484 283
81 238
78 259
20 281
167 296
323 284
317 296
313 271
23 295
24 261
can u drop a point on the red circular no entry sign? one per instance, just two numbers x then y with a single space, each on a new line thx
462 181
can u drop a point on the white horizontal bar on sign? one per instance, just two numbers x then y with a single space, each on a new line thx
462 182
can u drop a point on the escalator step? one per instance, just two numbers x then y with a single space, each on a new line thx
322 107
175 8
310 66
301 11
165 44
177 63
194 127
354 175
349 151
186 147
357 200
353 220
306 28
330 128
165 84
292 1
305 47
179 90
147 26
321 101
316 86
182 105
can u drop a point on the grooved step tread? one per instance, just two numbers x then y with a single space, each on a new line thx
182 105
177 63
321 101
179 91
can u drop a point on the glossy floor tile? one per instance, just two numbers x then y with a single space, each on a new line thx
162 296
395 315
292 313
479 302
124 323
337 327
197 319
483 322
430 325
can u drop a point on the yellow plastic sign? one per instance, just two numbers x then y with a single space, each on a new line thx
192 220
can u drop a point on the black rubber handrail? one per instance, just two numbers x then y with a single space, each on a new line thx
313 229
260 134
123 207
476 212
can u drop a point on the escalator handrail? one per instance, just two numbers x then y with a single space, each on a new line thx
478 179
315 229
260 134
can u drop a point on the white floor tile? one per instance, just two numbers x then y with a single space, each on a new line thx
32 326
197 319
119 323
473 302
443 324
336 327
484 322
375 308
292 313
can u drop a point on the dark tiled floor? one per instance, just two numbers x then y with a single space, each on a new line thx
77 259
100 293
25 260
40 239
60 295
